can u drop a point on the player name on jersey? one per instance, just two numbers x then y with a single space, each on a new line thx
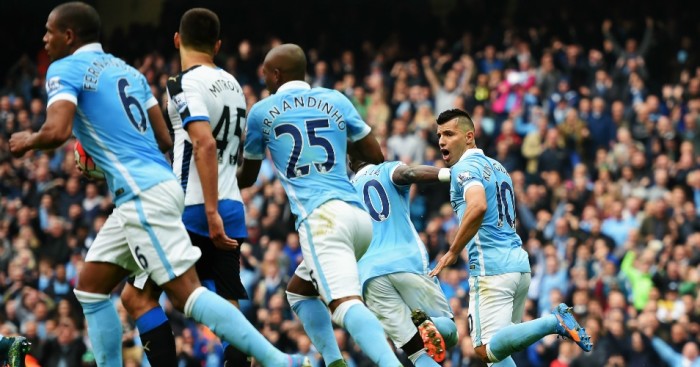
303 102
220 85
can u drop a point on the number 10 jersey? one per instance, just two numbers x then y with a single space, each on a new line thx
496 248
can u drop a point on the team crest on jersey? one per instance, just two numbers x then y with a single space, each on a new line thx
463 177
180 102
53 85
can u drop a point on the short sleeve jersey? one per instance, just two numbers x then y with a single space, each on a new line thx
306 132
496 248
111 120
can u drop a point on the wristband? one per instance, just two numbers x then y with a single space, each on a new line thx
444 175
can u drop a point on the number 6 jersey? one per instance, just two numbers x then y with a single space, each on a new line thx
496 248
111 118
306 130
203 93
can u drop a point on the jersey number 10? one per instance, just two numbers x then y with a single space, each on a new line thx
503 193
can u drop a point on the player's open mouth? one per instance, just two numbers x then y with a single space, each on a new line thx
445 154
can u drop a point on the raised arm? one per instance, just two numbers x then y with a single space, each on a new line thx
406 175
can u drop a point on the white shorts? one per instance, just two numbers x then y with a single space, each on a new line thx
495 301
146 236
332 238
392 297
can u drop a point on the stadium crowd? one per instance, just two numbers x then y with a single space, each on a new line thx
603 149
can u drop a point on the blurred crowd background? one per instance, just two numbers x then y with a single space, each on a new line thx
594 109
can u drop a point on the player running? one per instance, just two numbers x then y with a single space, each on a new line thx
207 109
483 199
394 270
108 105
306 131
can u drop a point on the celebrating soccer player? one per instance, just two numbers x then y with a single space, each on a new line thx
499 270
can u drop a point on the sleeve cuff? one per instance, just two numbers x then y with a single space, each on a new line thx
62 97
391 174
469 186
364 132
151 102
253 156
189 119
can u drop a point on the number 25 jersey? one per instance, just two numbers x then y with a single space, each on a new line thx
496 248
306 131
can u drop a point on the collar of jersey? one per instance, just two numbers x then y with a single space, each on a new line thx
90 47
294 84
363 169
470 152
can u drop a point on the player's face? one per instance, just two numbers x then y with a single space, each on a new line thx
55 40
452 141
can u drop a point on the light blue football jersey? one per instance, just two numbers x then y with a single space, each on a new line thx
306 131
111 119
396 246
496 248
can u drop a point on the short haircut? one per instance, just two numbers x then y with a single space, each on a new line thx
199 29
464 121
81 18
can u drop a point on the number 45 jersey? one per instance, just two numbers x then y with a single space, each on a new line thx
306 131
496 248
203 93
111 118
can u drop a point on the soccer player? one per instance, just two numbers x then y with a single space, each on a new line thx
306 131
13 350
108 105
207 110
482 197
394 270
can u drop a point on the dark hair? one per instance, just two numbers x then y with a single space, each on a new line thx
199 29
464 120
81 18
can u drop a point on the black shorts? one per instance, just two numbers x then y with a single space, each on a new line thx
221 267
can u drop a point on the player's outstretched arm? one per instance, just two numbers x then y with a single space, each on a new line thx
471 221
367 150
204 148
55 131
406 175
160 129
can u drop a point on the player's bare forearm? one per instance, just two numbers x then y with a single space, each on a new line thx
248 172
471 222
406 175
160 129
208 168
475 198
57 128
206 161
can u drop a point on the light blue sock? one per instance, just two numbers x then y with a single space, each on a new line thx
368 333
227 322
508 362
316 319
517 337
424 360
448 330
105 331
